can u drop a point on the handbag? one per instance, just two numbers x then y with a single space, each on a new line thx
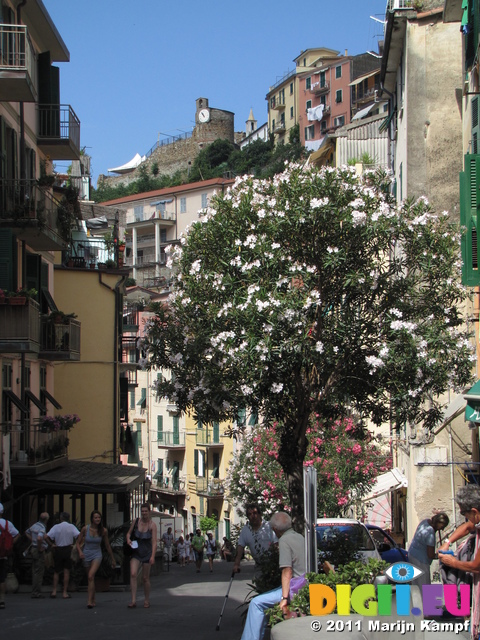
464 553
127 549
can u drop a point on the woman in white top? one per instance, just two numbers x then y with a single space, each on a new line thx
181 550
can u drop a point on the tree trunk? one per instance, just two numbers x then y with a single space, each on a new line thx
291 455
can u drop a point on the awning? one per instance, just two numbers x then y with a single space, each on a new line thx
97 223
454 409
129 166
326 148
472 411
364 77
16 401
77 476
44 394
386 123
385 483
154 204
363 112
31 396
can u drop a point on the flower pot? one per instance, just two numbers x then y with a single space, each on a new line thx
17 300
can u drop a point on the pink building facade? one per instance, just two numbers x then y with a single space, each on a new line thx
324 100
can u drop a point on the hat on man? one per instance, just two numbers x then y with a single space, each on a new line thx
1 507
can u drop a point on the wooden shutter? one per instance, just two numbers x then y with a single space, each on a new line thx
195 462
160 428
7 259
469 219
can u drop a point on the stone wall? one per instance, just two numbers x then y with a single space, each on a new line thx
180 154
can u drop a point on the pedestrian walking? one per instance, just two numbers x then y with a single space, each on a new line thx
144 547
37 536
181 550
9 534
198 544
62 536
421 551
89 546
211 549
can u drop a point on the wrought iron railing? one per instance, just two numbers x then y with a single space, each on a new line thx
58 122
29 446
171 439
24 199
62 338
16 51
210 487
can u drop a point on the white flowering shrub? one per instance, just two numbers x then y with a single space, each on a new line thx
312 293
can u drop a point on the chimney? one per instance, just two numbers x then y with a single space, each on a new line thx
346 52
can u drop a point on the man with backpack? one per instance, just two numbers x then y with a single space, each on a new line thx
8 535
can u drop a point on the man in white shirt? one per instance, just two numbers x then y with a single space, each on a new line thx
257 535
167 543
37 534
5 524
62 536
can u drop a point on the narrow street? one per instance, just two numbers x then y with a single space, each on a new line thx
184 606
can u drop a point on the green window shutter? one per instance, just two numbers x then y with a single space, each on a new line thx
475 125
176 430
7 259
216 432
159 473
199 424
132 399
241 417
202 506
143 400
160 428
469 218
139 434
195 462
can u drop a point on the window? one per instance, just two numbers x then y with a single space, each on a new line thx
163 235
273 125
308 83
132 399
272 103
204 200
338 71
183 205
138 213
308 105
340 121
291 113
339 95
160 428
199 463
323 126
291 88
322 79
310 132
323 100
142 403
161 208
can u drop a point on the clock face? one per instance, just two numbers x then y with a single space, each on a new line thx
204 115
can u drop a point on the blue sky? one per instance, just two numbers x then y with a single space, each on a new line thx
136 68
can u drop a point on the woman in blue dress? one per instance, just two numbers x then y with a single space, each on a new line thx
142 537
91 537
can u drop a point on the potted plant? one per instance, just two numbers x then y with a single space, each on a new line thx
20 296
59 317
110 264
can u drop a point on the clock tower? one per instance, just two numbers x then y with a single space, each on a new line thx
202 114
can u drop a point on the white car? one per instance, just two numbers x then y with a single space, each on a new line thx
355 531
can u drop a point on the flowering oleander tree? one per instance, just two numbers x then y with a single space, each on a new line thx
312 293
345 455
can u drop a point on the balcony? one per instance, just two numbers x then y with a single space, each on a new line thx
33 452
60 342
170 486
171 440
278 103
319 88
213 488
20 327
18 65
279 127
58 131
208 438
31 213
